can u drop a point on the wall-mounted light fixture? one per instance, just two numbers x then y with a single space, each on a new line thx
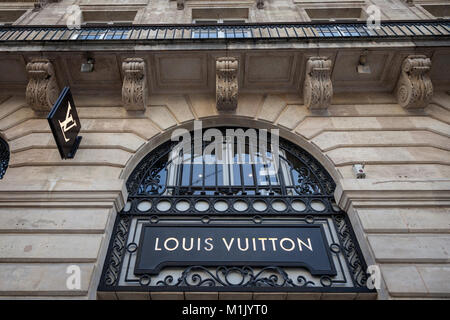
363 66
87 65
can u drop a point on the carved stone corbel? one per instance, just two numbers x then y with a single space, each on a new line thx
42 89
180 4
227 83
318 88
414 87
134 88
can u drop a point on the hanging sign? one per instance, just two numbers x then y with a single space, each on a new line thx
233 245
65 124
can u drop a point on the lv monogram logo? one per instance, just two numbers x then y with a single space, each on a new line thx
68 123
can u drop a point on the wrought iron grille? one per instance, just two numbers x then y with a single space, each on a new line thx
388 29
298 192
4 157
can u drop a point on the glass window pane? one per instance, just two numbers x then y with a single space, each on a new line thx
186 171
210 170
248 174
197 171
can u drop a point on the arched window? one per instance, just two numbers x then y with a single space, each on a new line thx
226 184
4 157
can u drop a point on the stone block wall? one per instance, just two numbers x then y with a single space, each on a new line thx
55 213
166 11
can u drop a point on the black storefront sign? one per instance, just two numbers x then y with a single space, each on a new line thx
65 124
233 245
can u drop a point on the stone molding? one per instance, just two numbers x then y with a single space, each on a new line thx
227 83
63 193
318 88
134 88
42 89
394 193
414 88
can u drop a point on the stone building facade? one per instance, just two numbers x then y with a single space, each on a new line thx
346 96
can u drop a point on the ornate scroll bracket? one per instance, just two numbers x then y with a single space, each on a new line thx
134 88
414 87
227 83
180 4
42 89
318 88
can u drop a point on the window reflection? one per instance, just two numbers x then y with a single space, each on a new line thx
236 172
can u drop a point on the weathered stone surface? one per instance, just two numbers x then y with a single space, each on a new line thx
235 295
11 104
117 158
400 171
166 295
330 140
49 248
70 172
203 105
410 248
303 296
177 104
161 117
436 278
16 118
125 141
249 105
53 220
403 280
271 108
399 220
41 279
269 295
311 126
350 155
133 295
201 295
292 115
338 296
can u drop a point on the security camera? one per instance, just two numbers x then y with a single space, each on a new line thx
87 66
358 169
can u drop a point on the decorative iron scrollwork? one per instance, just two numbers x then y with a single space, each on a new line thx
309 178
353 256
4 157
243 277
307 198
118 246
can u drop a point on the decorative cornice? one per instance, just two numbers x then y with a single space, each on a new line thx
414 87
318 88
227 83
134 88
42 89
